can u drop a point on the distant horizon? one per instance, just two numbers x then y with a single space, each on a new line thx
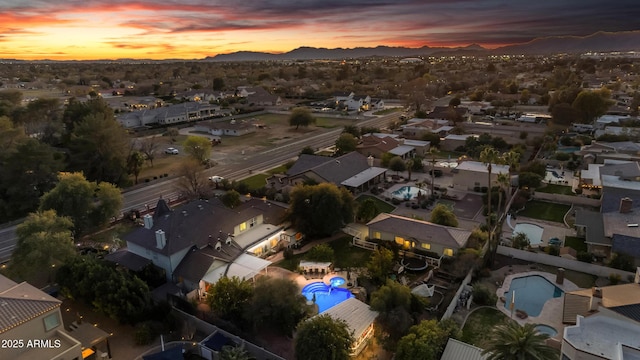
196 29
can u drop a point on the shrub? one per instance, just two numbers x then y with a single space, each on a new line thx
584 256
484 189
395 201
483 296
578 191
614 279
476 188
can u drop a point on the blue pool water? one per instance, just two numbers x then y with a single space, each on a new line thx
337 281
407 193
546 329
531 293
533 232
326 296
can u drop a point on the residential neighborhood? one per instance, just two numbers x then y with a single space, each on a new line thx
396 208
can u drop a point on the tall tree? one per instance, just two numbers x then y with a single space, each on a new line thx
323 338
44 239
318 210
489 156
394 303
397 164
198 147
592 104
193 182
301 117
367 210
88 204
229 297
380 265
149 147
346 143
28 172
99 147
424 341
134 164
277 304
442 215
513 341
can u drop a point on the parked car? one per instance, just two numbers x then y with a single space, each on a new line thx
172 151
216 179
555 242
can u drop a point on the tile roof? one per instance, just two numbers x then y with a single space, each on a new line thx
422 231
22 302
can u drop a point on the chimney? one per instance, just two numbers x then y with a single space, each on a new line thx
625 205
161 239
560 276
148 221
596 298
370 161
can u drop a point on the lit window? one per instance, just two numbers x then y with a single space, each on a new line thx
448 252
377 235
425 246
243 226
51 322
399 240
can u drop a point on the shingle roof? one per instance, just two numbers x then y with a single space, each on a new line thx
307 162
630 311
611 196
629 245
22 302
341 168
422 231
201 222
594 226
128 259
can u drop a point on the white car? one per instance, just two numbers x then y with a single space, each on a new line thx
172 151
216 179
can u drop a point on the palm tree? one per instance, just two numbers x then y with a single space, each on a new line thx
514 342
489 156
503 183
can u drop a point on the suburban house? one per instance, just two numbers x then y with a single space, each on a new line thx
452 141
376 146
166 115
353 102
414 234
203 240
598 152
416 127
615 228
258 96
359 319
353 170
226 128
28 314
470 175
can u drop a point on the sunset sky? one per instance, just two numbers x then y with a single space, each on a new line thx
194 29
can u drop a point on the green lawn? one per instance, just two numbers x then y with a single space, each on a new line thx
545 211
346 255
576 243
278 170
477 328
382 206
256 181
556 189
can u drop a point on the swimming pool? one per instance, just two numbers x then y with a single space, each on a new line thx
533 232
325 296
407 193
532 292
546 329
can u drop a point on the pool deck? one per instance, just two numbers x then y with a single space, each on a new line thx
551 313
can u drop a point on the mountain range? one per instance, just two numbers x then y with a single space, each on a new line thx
597 42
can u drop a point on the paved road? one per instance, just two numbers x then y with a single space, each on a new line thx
138 198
